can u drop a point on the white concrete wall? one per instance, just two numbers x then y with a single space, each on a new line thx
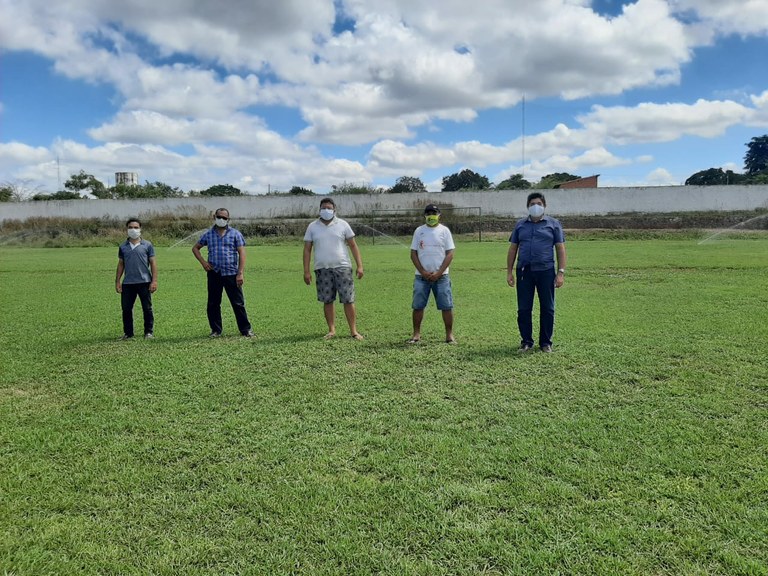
584 201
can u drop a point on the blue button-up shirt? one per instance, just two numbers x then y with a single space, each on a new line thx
535 242
222 250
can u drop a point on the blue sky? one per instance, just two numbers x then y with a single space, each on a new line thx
266 95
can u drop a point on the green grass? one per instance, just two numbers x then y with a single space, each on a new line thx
639 447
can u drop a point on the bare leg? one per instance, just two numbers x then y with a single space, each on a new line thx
448 321
351 314
330 317
418 316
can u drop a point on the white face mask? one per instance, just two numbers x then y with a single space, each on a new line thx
326 213
536 210
221 223
134 233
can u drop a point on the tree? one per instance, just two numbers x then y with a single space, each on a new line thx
552 180
756 159
17 191
514 182
407 184
465 180
714 177
221 190
60 195
300 191
82 182
351 188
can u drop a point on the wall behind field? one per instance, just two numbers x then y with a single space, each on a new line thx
503 203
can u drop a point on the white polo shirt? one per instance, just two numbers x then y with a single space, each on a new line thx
431 244
330 243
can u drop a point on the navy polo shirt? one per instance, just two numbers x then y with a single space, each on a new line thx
535 242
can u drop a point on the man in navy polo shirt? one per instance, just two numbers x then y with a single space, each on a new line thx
531 244
225 267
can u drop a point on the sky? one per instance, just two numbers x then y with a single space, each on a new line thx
267 95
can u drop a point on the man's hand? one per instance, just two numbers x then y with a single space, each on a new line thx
307 278
359 273
118 287
559 279
153 286
207 266
239 279
511 279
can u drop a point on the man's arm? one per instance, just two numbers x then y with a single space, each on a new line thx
204 263
356 255
562 260
417 263
118 275
511 256
240 265
307 261
153 269
444 266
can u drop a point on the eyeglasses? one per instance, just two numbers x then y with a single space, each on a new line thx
223 217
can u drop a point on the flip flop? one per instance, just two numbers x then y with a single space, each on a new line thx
358 336
451 341
413 341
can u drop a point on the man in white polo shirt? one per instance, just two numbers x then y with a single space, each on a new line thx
330 236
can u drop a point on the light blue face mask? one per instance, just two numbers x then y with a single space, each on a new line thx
326 214
536 210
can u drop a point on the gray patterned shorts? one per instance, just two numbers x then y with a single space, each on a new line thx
332 280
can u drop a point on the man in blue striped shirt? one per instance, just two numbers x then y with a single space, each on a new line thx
225 267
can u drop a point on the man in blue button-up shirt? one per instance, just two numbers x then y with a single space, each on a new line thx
225 267
531 245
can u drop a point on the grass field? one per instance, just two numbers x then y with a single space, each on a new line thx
639 447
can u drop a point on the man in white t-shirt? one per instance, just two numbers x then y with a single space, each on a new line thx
431 253
330 236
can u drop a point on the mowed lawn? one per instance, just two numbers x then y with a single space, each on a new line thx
640 446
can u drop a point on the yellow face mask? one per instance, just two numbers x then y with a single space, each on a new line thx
432 219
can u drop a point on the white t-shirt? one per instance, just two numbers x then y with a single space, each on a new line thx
431 244
330 243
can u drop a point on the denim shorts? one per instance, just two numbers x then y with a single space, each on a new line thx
332 280
441 289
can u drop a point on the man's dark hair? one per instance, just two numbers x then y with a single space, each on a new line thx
132 220
533 196
328 201
220 210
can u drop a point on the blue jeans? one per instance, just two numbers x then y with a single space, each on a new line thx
216 285
441 289
527 283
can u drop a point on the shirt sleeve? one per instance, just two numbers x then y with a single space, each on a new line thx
414 242
150 250
308 234
239 239
515 236
448 240
203 240
558 233
348 232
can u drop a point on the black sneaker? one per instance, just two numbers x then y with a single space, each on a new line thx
214 335
126 337
525 348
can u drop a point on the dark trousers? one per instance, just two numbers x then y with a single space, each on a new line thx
128 299
542 282
216 285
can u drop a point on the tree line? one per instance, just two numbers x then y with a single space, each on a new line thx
75 188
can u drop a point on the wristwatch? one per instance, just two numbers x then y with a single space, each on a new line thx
561 271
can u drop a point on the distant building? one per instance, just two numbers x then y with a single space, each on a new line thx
588 182
127 178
